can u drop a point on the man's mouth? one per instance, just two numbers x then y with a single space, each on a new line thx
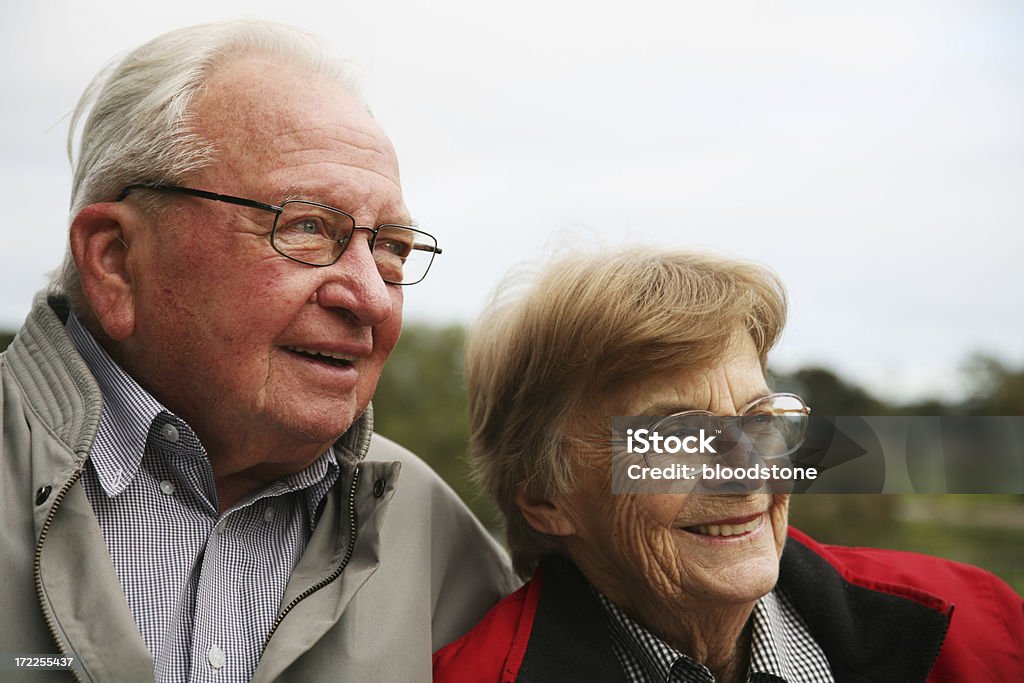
727 528
337 359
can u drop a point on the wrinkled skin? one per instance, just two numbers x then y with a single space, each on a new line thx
694 591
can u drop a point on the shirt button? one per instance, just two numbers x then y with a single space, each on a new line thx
167 486
378 488
216 657
170 432
268 514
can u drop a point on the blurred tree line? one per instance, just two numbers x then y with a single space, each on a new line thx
421 403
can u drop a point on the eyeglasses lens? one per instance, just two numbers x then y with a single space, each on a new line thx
318 236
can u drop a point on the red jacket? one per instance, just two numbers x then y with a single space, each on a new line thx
879 615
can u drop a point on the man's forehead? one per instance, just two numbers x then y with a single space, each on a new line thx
266 97
281 129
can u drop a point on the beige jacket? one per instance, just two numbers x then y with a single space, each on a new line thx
421 572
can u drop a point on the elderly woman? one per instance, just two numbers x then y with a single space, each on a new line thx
677 587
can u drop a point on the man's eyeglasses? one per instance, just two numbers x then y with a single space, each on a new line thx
773 426
317 235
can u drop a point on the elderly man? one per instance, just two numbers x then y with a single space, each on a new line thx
189 483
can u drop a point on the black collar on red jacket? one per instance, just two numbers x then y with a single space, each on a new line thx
569 640
867 635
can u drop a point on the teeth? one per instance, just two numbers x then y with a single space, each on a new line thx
328 354
726 529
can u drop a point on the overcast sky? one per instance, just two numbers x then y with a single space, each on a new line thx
872 153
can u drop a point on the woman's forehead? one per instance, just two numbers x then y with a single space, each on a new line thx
723 386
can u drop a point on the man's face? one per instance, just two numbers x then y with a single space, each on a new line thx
224 325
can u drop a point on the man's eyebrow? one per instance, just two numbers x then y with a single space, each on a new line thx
293 194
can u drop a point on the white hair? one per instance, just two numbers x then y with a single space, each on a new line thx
138 118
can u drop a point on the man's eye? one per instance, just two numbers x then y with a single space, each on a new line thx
393 247
308 226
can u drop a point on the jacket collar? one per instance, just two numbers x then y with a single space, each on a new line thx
568 610
868 630
56 382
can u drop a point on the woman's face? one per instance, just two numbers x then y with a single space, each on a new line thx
646 550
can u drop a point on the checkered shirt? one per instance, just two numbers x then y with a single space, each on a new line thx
782 648
204 587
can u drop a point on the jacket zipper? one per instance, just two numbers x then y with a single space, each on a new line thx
37 568
352 520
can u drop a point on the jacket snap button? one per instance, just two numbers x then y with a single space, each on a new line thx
378 488
42 494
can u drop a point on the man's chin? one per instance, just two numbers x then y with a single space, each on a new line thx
324 429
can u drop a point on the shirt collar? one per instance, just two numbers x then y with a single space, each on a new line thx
770 654
782 644
776 627
315 481
128 412
651 653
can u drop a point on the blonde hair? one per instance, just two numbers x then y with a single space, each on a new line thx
583 329
136 114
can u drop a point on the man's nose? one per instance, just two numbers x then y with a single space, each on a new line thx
354 284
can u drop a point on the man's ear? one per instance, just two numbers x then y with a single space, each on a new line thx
100 246
551 517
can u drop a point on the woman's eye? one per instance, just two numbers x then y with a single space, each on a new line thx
683 433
